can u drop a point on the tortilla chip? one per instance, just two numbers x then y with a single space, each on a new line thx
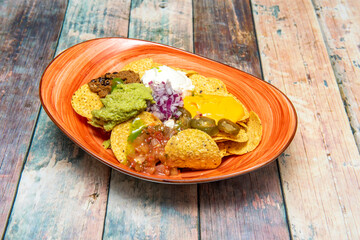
120 133
193 149
223 149
243 124
204 85
118 140
254 133
240 137
189 72
84 101
140 66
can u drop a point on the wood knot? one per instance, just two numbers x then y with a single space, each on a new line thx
243 52
163 5
94 196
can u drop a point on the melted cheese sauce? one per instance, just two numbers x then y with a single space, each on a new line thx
215 107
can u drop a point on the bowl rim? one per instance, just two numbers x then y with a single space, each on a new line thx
149 177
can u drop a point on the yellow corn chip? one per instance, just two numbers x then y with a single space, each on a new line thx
204 85
140 66
84 101
254 133
193 149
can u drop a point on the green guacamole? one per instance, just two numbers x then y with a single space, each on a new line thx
124 102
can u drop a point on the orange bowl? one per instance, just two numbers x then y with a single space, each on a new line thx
85 61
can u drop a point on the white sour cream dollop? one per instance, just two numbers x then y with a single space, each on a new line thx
178 79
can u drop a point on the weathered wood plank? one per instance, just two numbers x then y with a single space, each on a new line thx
249 206
63 191
28 34
224 31
166 22
144 210
320 170
340 24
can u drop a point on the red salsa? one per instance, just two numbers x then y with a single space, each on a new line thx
146 151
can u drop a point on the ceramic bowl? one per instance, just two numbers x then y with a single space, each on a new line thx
85 61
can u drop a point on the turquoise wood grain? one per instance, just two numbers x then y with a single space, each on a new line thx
249 206
63 191
28 34
166 22
143 210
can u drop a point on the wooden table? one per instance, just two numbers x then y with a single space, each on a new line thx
310 49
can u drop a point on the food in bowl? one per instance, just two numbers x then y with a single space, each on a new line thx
163 119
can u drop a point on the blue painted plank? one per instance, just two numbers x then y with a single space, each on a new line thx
63 191
28 34
143 210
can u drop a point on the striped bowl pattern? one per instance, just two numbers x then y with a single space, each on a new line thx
85 61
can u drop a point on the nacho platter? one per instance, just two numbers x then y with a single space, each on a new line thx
95 57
